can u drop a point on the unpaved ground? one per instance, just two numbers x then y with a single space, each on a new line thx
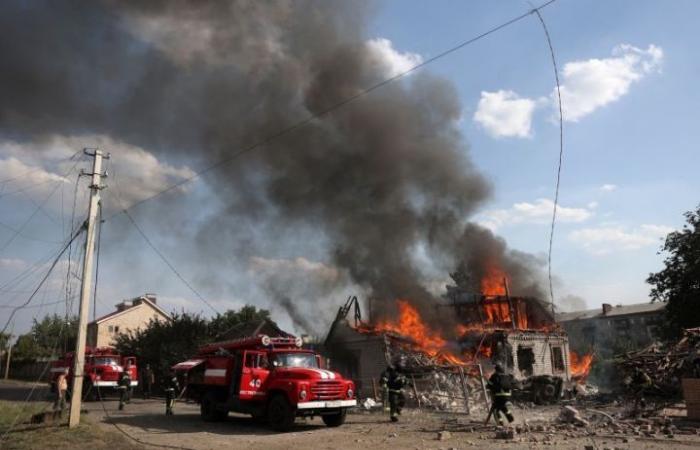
145 421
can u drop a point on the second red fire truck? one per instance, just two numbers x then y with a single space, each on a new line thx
103 368
269 378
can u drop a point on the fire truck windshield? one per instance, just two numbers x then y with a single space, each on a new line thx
105 361
294 360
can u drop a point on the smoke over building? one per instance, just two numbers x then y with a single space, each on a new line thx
377 182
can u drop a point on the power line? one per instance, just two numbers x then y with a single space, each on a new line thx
165 260
154 248
561 156
324 112
36 210
41 283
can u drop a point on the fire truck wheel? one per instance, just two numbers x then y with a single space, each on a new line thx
208 409
280 413
334 420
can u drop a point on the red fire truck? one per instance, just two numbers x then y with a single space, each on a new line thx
103 367
269 378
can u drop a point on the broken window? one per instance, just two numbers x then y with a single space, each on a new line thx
557 359
526 360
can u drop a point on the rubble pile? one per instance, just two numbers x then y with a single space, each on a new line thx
435 383
666 364
572 423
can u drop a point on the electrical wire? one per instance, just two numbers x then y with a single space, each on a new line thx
155 249
111 421
561 156
36 210
311 117
168 263
41 283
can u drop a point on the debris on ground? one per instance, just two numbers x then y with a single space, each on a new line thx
666 364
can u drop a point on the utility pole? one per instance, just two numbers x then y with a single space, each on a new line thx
91 224
9 351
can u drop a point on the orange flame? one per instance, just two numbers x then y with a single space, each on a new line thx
580 365
493 282
411 325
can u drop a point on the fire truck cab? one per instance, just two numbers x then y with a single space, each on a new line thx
103 368
269 378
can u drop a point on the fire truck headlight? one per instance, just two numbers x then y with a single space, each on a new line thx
350 392
302 394
299 342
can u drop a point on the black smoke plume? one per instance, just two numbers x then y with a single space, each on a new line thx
378 179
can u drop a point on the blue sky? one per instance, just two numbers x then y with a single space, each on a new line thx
642 144
630 157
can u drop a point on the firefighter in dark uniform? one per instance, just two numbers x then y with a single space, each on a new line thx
500 385
172 388
639 383
124 387
393 382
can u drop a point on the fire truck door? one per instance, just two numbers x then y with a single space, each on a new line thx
253 375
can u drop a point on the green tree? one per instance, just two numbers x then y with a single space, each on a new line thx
221 323
678 283
163 344
4 339
51 336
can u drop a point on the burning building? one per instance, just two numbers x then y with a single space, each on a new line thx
495 328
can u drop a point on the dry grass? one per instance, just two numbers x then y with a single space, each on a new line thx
24 435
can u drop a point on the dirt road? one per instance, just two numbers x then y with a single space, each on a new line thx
145 420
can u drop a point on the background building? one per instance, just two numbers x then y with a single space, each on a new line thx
131 314
612 329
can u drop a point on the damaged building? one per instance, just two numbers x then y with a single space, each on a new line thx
517 332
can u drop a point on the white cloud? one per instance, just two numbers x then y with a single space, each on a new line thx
25 176
505 114
12 263
389 59
539 212
608 187
605 239
139 174
591 84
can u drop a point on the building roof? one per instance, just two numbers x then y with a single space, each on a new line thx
143 300
619 310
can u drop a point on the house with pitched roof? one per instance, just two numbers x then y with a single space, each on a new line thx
130 315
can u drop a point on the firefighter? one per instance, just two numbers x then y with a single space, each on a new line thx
500 385
124 386
392 382
61 389
147 381
172 388
638 384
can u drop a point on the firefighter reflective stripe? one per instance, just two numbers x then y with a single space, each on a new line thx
502 394
215 373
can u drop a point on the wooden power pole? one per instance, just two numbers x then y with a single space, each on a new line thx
91 224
